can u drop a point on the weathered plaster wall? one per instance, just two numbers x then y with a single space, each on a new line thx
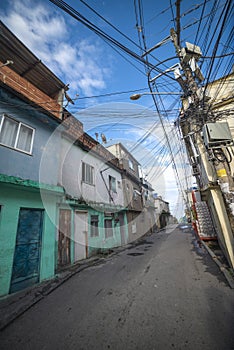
71 176
19 164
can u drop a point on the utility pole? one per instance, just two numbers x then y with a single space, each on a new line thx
189 86
210 160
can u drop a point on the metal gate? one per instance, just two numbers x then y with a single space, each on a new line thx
26 263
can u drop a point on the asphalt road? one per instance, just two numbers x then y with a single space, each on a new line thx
164 293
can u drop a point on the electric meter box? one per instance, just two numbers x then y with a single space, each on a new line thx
216 135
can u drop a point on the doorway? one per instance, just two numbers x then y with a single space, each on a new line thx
26 262
81 235
64 239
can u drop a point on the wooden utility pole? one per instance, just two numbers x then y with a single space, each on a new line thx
178 21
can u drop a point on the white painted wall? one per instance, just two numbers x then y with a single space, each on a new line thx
72 157
160 205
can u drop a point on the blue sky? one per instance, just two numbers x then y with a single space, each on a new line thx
94 69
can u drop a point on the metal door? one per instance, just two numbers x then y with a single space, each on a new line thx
64 239
26 263
81 235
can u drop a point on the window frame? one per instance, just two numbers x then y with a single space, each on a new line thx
84 176
19 125
109 231
131 164
112 187
94 229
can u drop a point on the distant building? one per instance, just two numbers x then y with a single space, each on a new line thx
132 189
148 198
162 212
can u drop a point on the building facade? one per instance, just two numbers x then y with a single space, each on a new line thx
94 202
162 211
132 187
63 196
29 114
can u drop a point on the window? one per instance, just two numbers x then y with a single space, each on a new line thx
112 183
146 195
130 163
108 228
87 174
16 135
119 184
94 226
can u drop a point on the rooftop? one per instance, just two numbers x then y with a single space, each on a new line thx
26 64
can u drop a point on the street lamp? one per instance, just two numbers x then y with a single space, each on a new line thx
137 96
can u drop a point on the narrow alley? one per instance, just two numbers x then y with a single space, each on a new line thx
162 293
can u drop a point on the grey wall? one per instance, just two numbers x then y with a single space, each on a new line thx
16 163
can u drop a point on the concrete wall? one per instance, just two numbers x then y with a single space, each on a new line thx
71 160
132 201
101 242
124 156
22 165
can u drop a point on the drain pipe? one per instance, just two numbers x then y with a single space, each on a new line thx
108 190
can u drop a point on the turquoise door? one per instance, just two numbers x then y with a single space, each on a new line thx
26 264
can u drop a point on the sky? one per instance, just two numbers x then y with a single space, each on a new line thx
102 77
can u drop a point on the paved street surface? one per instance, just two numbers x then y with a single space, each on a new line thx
164 293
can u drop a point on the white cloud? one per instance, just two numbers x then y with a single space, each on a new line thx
45 32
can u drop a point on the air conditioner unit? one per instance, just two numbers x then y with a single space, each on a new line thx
216 135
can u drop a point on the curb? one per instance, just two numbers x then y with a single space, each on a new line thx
222 268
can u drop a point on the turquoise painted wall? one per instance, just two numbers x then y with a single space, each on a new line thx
94 243
101 241
12 198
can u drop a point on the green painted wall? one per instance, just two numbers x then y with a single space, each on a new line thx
101 242
12 198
